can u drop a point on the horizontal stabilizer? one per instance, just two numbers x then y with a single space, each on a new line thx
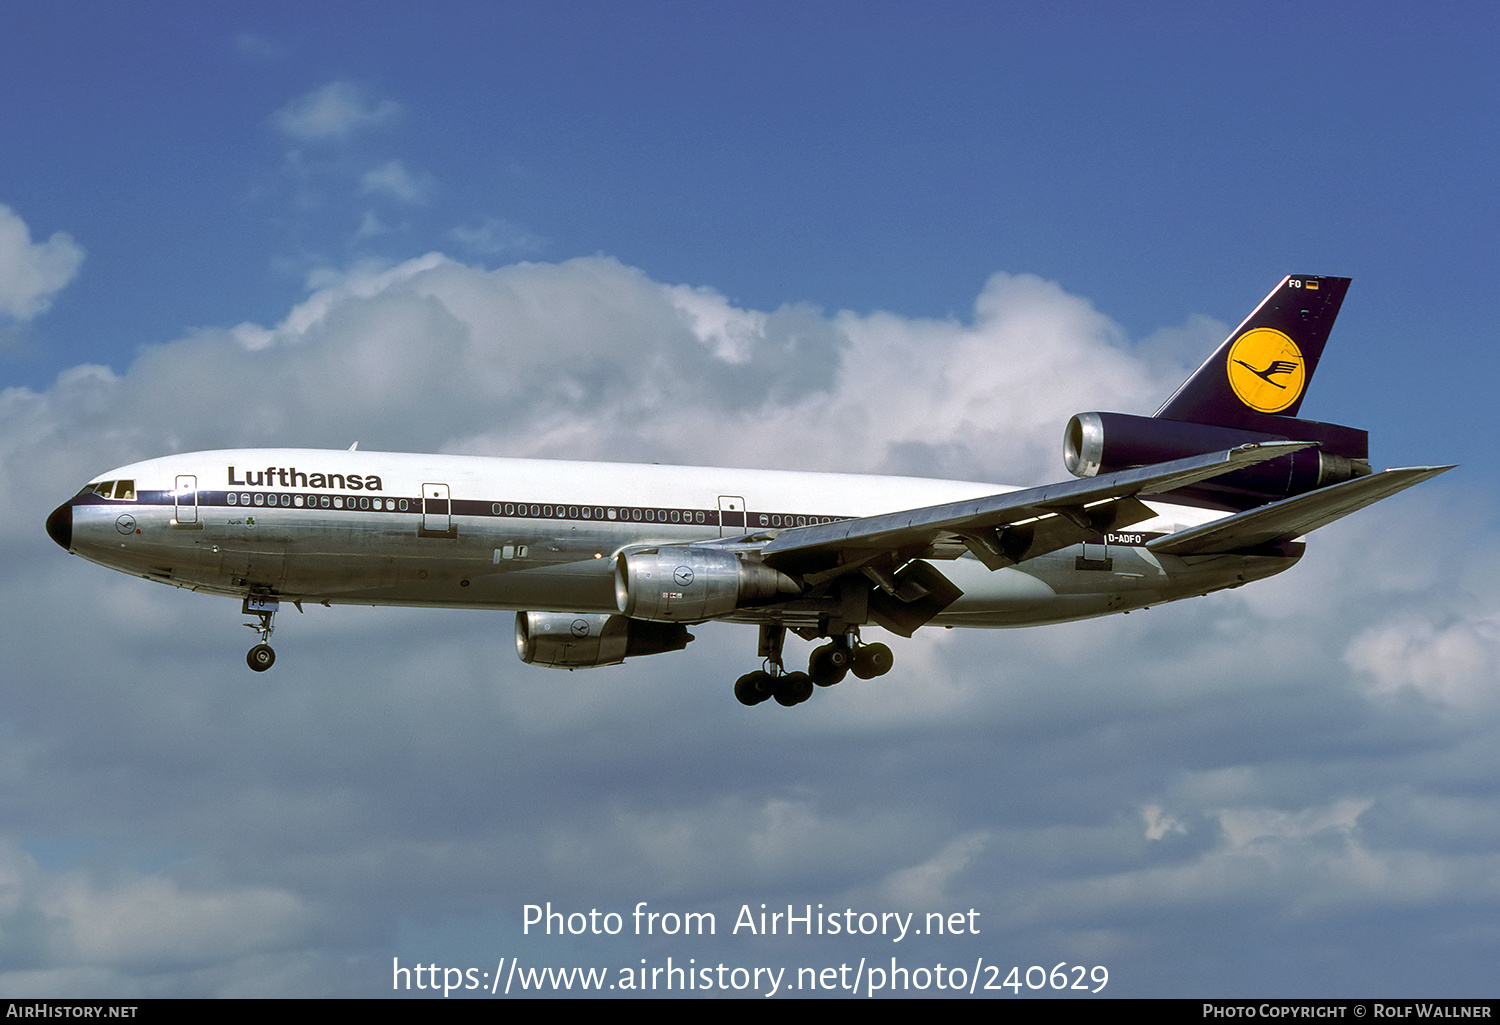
1291 517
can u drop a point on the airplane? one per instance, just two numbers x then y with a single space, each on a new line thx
607 561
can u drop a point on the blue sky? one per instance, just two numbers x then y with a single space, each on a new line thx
870 237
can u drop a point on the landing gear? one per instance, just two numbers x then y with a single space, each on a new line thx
261 657
829 665
793 689
872 660
773 681
753 688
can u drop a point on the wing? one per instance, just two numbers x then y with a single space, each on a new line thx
1001 530
1291 517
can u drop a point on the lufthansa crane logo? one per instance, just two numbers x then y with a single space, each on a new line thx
1266 370
682 576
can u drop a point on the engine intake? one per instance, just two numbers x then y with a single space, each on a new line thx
691 583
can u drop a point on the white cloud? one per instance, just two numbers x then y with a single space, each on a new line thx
130 921
32 273
929 884
1246 826
494 236
394 181
1158 823
1296 866
1456 665
334 112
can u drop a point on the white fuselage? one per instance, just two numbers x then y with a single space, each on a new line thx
379 528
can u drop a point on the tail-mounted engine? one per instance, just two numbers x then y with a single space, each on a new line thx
691 583
1096 443
564 640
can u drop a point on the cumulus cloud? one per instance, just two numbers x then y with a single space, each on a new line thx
32 273
152 923
334 112
1454 665
589 359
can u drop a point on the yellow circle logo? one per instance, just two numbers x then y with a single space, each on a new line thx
1266 370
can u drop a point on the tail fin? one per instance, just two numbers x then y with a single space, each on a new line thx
1263 368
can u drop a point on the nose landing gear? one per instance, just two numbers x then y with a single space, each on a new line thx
261 657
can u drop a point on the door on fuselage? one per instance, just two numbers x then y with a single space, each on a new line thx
185 501
731 515
437 512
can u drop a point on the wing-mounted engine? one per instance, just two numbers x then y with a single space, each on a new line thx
1096 443
565 640
691 583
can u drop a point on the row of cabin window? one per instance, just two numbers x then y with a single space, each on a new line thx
647 515
507 508
324 501
599 512
777 520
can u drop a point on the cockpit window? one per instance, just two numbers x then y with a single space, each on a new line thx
120 489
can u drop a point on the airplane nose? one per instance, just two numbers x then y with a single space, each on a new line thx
60 525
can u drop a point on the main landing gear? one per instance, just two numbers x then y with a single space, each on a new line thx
261 657
828 665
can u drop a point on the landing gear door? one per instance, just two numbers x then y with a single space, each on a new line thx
185 502
731 516
437 512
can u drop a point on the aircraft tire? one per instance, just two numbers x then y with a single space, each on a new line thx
753 688
872 660
828 665
793 689
260 658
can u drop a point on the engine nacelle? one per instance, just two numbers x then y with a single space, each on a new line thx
1095 443
691 583
564 640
